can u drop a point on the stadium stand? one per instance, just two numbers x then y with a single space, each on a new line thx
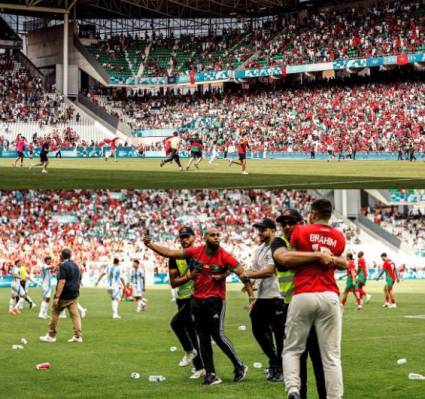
382 113
388 29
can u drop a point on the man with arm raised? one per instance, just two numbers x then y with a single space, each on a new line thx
210 264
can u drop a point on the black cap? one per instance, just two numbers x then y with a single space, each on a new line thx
266 223
186 231
290 215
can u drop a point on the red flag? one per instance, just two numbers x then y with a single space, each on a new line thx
284 70
402 59
192 77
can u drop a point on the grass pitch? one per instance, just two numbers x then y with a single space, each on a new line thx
146 173
373 340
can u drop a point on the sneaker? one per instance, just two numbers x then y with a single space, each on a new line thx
116 316
161 164
187 358
294 395
245 172
211 379
33 305
43 316
43 171
386 305
392 306
277 376
48 338
269 373
76 339
197 374
368 298
359 307
240 373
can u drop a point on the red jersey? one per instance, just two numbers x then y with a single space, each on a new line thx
309 238
205 286
389 269
350 267
362 267
243 146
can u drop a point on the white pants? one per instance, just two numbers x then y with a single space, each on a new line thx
324 311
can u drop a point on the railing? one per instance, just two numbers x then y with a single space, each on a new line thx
379 231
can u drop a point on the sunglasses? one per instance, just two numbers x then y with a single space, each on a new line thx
214 235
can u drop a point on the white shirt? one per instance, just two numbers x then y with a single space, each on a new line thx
267 287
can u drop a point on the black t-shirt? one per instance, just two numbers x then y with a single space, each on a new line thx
70 272
275 245
45 148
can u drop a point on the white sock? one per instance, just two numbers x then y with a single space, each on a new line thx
173 294
80 308
12 302
43 309
20 303
29 298
114 307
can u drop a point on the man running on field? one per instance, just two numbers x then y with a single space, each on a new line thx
243 146
195 151
390 277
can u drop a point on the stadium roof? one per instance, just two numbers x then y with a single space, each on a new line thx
104 9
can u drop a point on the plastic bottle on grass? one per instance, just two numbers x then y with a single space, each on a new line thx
156 378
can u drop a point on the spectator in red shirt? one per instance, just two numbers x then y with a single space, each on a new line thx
209 265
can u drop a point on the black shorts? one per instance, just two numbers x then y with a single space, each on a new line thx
242 157
20 154
196 155
43 157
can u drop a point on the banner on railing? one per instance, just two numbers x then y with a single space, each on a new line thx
211 76
132 152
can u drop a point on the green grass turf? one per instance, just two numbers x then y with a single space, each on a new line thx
146 173
373 340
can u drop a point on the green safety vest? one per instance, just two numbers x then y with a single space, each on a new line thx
186 290
286 279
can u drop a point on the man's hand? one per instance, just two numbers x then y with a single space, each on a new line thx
147 240
326 259
56 301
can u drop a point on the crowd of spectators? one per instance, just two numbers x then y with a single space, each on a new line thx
388 29
100 224
318 35
405 223
384 113
23 98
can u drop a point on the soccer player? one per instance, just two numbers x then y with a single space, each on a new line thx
195 151
20 148
174 146
391 276
351 282
210 266
213 152
243 146
17 293
362 276
137 279
24 281
116 285
44 160
315 299
47 270
182 322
